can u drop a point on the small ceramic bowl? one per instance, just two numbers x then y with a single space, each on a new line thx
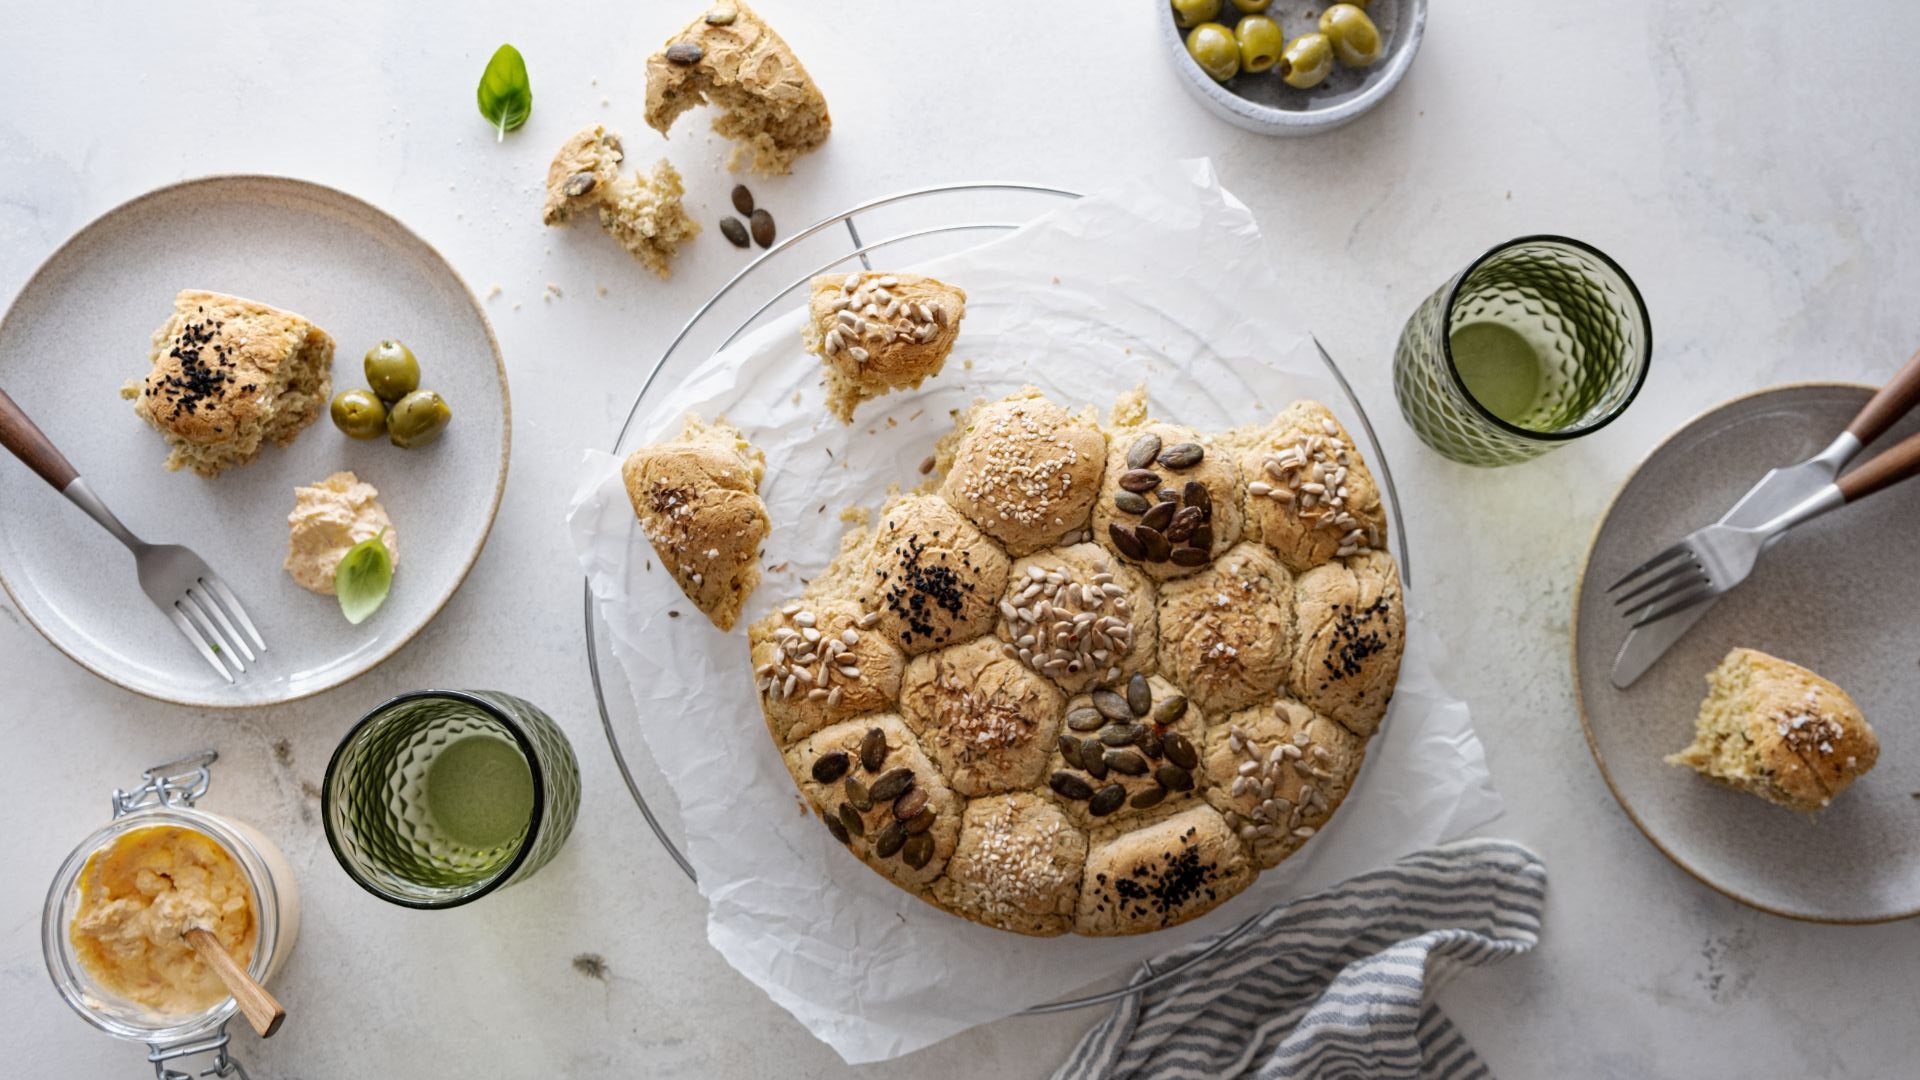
1264 104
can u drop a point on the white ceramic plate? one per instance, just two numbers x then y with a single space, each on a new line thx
1836 595
81 328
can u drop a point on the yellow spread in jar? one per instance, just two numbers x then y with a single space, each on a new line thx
138 897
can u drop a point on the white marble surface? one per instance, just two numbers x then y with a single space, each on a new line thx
1753 172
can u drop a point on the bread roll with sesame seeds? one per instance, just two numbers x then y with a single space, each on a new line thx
877 332
987 720
1048 596
698 499
869 838
1277 771
1025 470
1296 469
1217 514
1228 630
1017 866
933 577
839 664
229 375
1774 729
1166 873
1350 627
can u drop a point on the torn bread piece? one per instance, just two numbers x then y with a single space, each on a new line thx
879 332
698 498
728 56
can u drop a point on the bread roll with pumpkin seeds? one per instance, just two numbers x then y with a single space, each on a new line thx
698 499
932 576
986 719
1044 617
1229 629
838 664
1278 771
1127 755
1025 470
1173 870
1017 866
1168 504
1350 628
877 332
769 105
582 171
842 768
1310 496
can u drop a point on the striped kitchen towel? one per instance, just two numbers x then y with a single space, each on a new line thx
1338 984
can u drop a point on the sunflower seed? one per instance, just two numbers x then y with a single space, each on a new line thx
1157 548
1085 719
1159 515
838 830
1131 502
850 818
907 806
1070 786
1182 455
1184 523
917 851
891 839
762 224
1259 487
1173 777
1143 451
873 749
921 822
1126 762
830 767
1188 556
724 16
1070 751
742 199
735 232
684 54
1111 705
859 354
892 785
1139 695
1180 750
1138 480
1107 800
1147 798
1126 541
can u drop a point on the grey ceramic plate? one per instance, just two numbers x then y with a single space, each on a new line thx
1837 595
80 328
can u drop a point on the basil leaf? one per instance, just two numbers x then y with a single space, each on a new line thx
362 579
506 98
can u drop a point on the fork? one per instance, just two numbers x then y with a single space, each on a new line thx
1712 560
180 583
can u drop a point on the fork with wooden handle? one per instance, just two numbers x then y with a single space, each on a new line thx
1713 560
180 583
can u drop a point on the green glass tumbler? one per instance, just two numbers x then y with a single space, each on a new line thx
1537 342
439 797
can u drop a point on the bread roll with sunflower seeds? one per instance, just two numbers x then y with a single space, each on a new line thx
879 332
1310 496
1278 771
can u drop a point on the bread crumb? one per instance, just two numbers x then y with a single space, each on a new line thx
493 292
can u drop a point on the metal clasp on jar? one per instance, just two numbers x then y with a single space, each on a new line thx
176 783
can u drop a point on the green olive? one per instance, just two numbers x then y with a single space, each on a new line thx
1307 61
1260 42
1251 6
360 414
417 419
1356 41
1187 13
392 371
1212 47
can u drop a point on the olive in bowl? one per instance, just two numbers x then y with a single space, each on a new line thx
359 413
1356 41
417 419
392 371
1260 42
1212 47
1191 13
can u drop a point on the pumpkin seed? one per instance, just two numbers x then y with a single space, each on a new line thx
1131 502
735 232
1125 541
1085 719
1070 751
1093 760
850 820
1148 797
762 225
910 804
1143 451
742 199
1180 750
1173 777
1196 494
1189 556
1184 524
1126 762
1202 537
1170 710
1182 455
1107 800
1158 550
917 852
830 767
1139 480
838 830
1070 786
921 822
892 785
1150 743
684 53
1111 705
891 839
858 795
1167 494
579 184
1139 695
1159 516
1121 734
873 749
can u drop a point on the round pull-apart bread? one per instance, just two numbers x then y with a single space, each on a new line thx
1093 679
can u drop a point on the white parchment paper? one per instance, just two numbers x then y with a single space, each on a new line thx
1162 279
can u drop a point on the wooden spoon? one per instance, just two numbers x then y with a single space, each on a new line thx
262 1011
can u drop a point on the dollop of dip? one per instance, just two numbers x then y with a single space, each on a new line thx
328 519
139 895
